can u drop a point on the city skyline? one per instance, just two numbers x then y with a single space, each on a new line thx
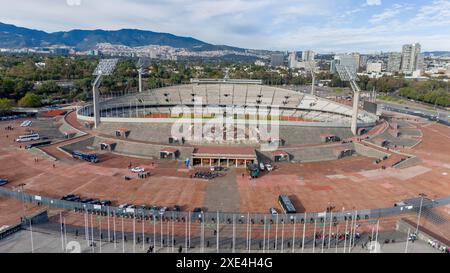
365 26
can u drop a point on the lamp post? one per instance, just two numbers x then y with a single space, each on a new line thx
422 195
23 199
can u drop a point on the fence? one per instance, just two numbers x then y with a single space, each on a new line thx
222 217
230 232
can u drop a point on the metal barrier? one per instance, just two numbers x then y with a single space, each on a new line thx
9 231
222 217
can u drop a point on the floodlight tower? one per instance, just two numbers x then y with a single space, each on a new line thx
141 64
311 67
104 68
348 75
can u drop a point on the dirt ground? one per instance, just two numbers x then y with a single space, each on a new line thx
350 183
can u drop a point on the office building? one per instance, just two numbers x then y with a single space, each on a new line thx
349 60
411 58
394 62
308 56
277 59
292 60
374 67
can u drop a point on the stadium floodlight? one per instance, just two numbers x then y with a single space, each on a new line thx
311 66
347 74
104 68
141 65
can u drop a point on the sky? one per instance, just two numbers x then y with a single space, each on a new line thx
365 26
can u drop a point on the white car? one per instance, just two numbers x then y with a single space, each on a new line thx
137 170
269 167
261 166
124 206
162 210
26 123
273 211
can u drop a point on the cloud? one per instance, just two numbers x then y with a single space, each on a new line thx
387 14
434 14
373 2
322 25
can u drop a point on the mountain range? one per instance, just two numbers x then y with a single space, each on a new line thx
12 36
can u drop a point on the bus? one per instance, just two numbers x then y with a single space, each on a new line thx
286 204
28 138
85 156
38 144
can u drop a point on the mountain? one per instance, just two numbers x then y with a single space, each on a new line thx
18 37
437 53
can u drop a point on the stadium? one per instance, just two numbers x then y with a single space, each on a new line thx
234 109
224 166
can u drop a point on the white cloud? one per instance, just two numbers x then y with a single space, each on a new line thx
373 2
387 14
323 25
435 14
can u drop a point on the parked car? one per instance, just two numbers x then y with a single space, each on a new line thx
137 170
261 166
269 167
162 210
65 197
218 169
94 202
86 200
273 211
124 206
3 182
106 203
74 199
197 213
198 210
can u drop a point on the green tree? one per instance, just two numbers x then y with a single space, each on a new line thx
48 88
5 105
30 100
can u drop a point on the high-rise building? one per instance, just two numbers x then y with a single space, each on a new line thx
357 58
308 56
292 60
364 59
374 67
394 62
277 59
411 59
349 60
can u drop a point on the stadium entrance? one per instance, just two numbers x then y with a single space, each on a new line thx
223 157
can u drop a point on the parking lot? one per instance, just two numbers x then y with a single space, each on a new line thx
350 183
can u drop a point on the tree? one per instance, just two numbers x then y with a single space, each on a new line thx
5 105
30 100
48 88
